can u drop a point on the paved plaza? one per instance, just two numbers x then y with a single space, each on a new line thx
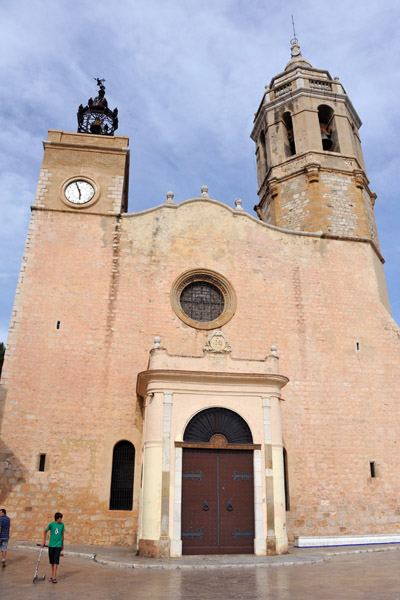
317 575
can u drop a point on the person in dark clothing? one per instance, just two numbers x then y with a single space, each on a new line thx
4 534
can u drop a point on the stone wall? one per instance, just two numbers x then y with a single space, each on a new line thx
70 391
320 200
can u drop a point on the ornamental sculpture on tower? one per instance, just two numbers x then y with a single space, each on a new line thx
96 117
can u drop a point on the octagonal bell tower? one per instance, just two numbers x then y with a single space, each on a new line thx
311 172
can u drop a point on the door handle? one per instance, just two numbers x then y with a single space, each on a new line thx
229 505
205 505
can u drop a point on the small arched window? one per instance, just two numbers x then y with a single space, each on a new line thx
123 468
329 137
290 145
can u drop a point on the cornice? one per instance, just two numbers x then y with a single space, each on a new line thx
297 68
317 157
160 379
85 147
72 211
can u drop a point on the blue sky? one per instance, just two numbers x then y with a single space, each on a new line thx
187 78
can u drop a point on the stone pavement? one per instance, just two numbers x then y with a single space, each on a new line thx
328 575
126 558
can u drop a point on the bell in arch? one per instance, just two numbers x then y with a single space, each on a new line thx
326 136
95 127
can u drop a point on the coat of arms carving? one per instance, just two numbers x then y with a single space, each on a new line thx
217 342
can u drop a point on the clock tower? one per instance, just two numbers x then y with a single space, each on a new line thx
86 171
64 315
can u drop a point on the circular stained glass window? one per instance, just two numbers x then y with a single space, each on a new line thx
202 301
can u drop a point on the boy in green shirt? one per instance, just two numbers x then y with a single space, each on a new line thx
56 544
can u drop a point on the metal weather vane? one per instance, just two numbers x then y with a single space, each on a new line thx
294 32
295 48
96 117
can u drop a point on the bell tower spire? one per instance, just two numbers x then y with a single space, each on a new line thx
311 172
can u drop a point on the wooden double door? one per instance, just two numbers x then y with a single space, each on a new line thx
217 501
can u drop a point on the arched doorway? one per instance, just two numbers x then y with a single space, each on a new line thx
217 484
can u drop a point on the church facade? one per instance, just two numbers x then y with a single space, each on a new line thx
192 379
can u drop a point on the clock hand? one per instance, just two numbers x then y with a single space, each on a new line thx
78 190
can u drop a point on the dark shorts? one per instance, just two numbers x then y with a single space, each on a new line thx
54 555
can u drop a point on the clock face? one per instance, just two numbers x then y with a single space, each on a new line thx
79 191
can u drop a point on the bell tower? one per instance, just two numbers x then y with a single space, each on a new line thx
311 172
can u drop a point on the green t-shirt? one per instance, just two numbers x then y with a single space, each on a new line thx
56 531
